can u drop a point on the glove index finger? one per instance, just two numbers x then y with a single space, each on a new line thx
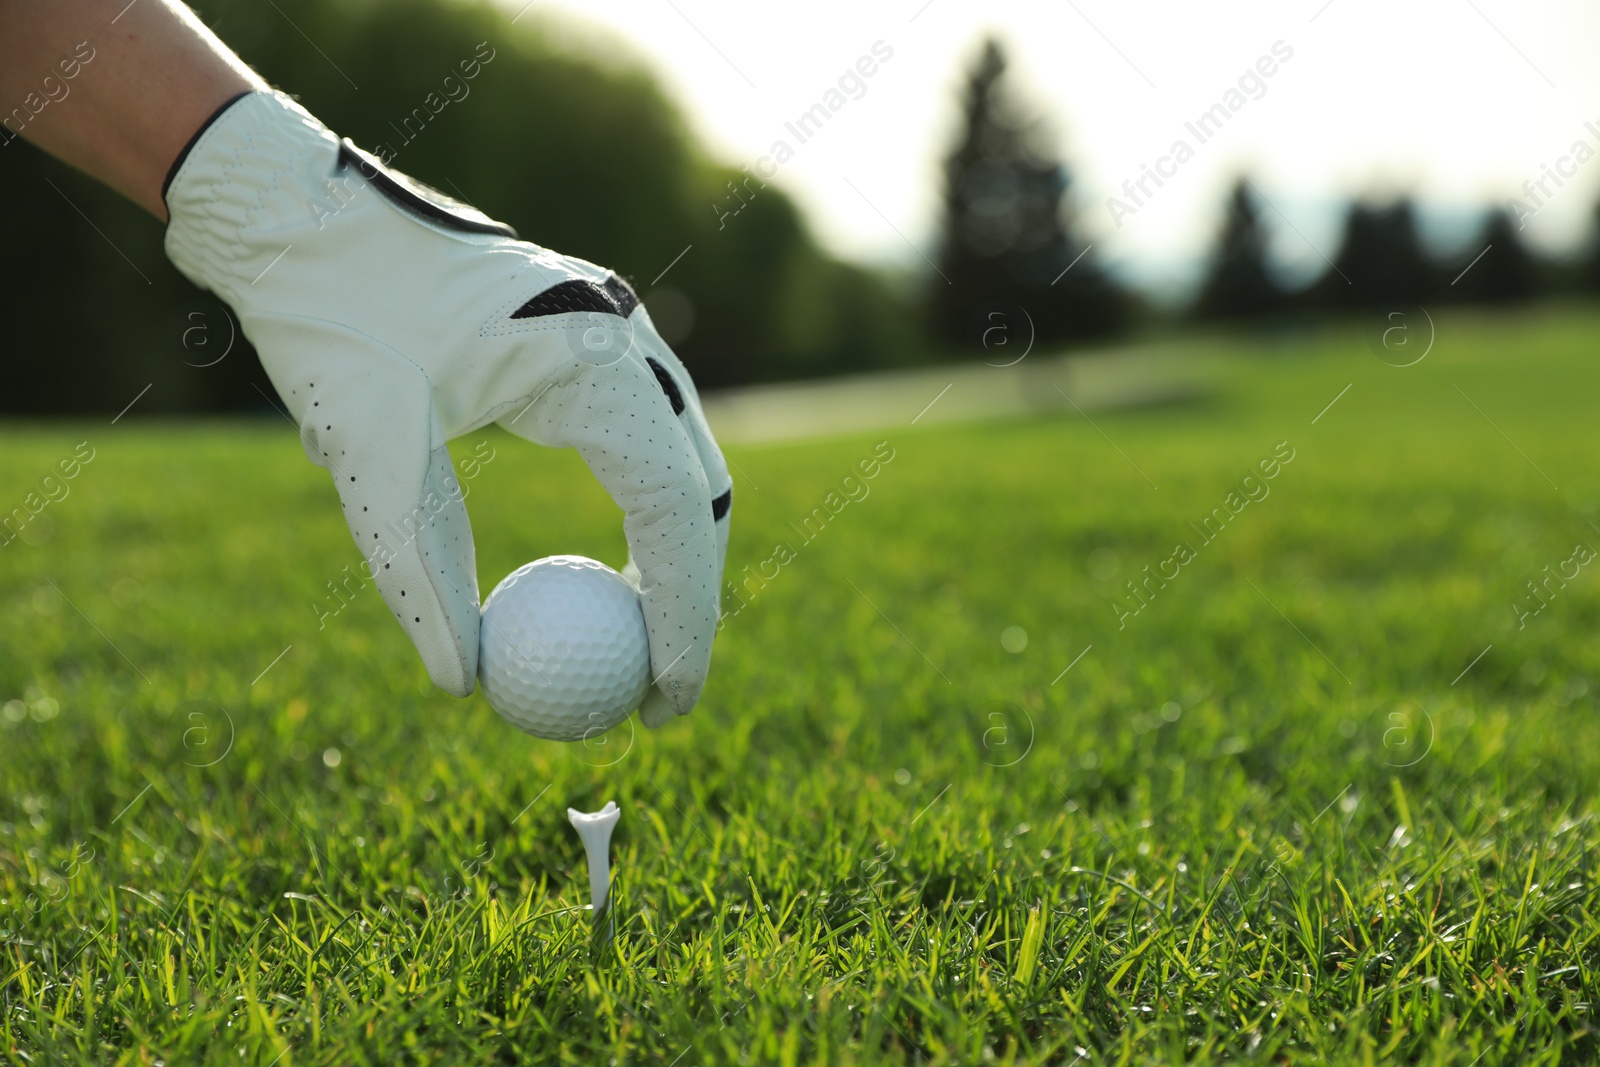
366 414
624 427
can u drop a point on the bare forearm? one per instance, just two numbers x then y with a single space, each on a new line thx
113 89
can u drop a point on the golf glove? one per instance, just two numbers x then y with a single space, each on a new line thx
392 318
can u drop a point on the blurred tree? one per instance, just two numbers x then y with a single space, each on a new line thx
1006 242
551 130
1504 270
1380 261
1586 275
1238 283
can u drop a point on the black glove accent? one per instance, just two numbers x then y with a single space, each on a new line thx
623 294
568 297
668 385
411 195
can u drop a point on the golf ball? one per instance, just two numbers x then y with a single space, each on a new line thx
563 652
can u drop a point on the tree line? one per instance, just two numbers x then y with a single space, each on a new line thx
573 145
1008 243
581 151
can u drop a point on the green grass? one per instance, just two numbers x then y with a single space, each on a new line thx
1266 821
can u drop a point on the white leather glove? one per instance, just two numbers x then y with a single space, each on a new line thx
392 319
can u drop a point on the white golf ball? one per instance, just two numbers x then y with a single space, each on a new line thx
563 652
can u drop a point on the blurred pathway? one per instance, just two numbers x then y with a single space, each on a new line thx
954 392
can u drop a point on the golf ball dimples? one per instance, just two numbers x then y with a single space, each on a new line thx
563 652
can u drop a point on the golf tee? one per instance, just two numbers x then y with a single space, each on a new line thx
595 828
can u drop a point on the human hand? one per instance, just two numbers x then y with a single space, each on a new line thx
392 319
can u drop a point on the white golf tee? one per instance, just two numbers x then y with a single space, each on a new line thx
595 828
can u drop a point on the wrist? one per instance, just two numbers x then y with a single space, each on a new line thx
183 154
234 196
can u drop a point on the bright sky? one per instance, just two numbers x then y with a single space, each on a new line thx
1461 100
